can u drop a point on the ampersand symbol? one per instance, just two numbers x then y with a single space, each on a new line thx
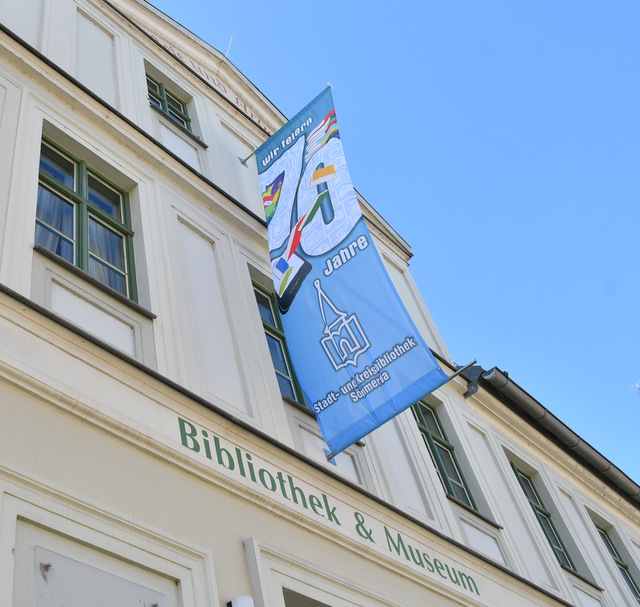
361 529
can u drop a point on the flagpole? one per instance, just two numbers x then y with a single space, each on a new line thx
244 162
330 456
461 370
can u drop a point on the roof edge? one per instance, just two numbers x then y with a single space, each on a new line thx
539 415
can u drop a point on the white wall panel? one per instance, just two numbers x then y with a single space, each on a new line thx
10 100
483 542
24 18
90 317
239 180
180 147
408 478
213 362
95 59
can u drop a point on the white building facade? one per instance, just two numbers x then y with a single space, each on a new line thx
153 445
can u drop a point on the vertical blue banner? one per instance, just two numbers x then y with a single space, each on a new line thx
356 352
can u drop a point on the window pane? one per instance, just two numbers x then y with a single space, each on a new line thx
447 461
286 387
460 492
453 474
529 491
54 242
106 244
280 365
107 275
175 104
622 567
55 212
430 421
106 256
264 305
179 119
610 547
442 454
104 197
277 355
152 87
56 165
277 345
177 110
630 583
554 540
55 224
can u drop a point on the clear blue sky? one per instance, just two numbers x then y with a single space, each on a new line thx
502 141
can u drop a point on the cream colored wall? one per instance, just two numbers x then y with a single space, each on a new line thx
57 467
111 440
107 435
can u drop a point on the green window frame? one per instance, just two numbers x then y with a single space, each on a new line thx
544 518
623 568
168 102
85 219
278 350
442 454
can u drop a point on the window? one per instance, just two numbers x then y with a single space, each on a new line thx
622 566
286 579
295 599
168 102
544 518
85 220
442 453
277 345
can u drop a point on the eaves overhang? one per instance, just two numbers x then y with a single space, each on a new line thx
501 385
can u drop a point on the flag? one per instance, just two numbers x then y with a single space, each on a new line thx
321 134
356 352
271 195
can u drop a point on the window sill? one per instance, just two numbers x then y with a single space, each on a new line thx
299 406
182 130
582 578
481 516
93 282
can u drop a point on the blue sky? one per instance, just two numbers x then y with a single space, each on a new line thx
502 141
